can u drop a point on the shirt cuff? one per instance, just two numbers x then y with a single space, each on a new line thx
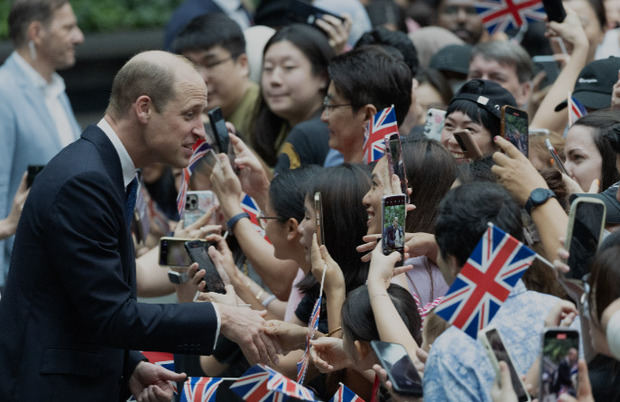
217 331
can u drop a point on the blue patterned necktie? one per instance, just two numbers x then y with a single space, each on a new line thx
130 201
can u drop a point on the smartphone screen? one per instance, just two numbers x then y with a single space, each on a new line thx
560 353
394 215
318 216
586 220
434 123
494 341
197 251
172 253
395 160
399 367
515 128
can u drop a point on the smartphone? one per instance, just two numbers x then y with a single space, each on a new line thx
514 128
318 216
178 278
394 216
558 372
556 157
549 65
218 126
198 203
586 222
555 10
207 163
494 346
399 367
197 251
468 145
33 171
298 11
394 151
434 123
172 253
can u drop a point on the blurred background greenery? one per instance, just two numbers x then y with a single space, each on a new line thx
110 15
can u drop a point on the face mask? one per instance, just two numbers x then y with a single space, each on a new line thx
613 335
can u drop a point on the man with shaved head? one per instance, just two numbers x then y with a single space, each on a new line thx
71 321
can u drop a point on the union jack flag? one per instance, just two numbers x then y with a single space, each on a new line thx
164 359
302 365
261 383
344 394
575 110
499 15
199 149
200 389
485 281
383 123
251 207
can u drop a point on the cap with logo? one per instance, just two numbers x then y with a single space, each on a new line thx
595 83
489 95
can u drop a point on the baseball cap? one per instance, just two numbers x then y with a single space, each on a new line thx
454 58
595 83
489 95
611 203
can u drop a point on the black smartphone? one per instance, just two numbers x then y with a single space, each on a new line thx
394 151
468 145
496 351
549 65
299 11
514 126
318 216
394 217
556 157
586 222
33 171
172 253
399 367
555 10
218 125
197 250
558 372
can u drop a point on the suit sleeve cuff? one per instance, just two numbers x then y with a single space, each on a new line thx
217 331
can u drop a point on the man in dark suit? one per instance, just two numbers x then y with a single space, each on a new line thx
69 315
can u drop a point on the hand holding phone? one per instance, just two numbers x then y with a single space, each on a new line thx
220 131
560 354
197 204
394 151
172 253
197 251
394 219
400 369
555 10
514 126
586 222
434 123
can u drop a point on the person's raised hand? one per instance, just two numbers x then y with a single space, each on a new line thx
321 260
422 244
290 336
152 383
254 179
382 269
227 187
502 390
16 207
562 314
383 377
515 172
187 291
570 30
199 229
328 354
337 31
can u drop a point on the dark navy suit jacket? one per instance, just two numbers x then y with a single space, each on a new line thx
69 317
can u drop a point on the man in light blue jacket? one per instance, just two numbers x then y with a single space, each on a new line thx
36 119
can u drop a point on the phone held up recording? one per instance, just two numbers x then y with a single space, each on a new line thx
394 218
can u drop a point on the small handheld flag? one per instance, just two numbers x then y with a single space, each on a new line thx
575 110
485 281
383 123
344 394
200 389
500 15
199 149
249 205
262 383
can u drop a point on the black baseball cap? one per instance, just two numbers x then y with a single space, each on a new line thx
595 84
453 58
489 95
612 205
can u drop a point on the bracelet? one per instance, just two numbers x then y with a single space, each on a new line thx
268 300
334 331
230 224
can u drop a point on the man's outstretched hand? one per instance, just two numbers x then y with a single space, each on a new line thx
151 383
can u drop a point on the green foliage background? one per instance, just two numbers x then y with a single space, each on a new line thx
394 211
110 15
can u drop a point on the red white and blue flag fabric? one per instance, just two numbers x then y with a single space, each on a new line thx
313 325
344 394
262 383
199 149
249 205
485 281
200 389
164 359
500 15
383 123
575 110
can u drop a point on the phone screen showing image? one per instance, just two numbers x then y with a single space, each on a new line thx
394 216
501 354
172 253
515 125
560 353
589 217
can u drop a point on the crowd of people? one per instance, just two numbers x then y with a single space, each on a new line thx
83 240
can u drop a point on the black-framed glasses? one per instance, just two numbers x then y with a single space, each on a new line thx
328 106
263 217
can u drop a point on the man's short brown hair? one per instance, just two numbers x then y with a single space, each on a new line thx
23 12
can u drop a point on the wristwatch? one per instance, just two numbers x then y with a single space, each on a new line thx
538 196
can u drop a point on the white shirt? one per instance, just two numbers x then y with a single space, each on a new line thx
129 173
51 92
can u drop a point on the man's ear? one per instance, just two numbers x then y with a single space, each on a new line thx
35 32
143 108
526 92
368 110
244 64
291 229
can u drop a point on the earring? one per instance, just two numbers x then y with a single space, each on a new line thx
33 50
